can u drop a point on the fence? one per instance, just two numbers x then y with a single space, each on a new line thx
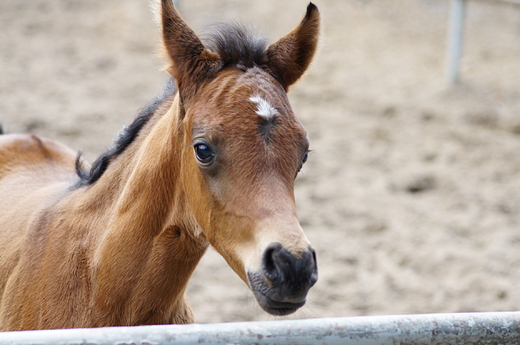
455 29
501 328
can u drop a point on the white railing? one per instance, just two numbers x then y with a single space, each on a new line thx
455 28
455 39
500 328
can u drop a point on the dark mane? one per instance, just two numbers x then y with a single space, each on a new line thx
236 44
125 138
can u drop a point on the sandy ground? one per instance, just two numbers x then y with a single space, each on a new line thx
411 195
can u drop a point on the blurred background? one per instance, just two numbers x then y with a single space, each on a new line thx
411 196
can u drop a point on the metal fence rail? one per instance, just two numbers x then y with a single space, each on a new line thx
501 328
455 28
455 38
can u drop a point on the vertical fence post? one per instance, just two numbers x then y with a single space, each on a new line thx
455 29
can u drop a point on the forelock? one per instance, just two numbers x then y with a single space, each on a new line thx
237 44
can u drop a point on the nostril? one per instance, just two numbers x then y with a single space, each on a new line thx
285 277
314 276
279 266
270 268
313 279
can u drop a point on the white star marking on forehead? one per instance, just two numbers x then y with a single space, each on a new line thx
265 109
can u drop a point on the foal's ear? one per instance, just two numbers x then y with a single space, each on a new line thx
291 55
190 60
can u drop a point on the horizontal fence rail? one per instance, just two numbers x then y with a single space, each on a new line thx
501 328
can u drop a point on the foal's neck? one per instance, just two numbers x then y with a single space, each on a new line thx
152 242
143 181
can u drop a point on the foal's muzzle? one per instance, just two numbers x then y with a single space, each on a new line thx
282 283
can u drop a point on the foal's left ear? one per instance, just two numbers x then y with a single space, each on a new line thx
291 55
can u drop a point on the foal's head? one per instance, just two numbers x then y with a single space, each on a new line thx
242 149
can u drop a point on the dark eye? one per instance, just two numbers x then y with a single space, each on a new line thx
204 153
305 157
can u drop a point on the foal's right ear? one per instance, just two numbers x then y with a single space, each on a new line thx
190 61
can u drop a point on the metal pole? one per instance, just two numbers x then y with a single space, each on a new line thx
432 329
455 39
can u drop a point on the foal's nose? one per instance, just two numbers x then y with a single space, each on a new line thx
290 277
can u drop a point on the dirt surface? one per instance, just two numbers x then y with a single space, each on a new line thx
411 196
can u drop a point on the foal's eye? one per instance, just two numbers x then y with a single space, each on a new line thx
305 157
204 153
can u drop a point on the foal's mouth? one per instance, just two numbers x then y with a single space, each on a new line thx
276 307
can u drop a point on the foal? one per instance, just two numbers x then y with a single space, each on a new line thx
212 162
